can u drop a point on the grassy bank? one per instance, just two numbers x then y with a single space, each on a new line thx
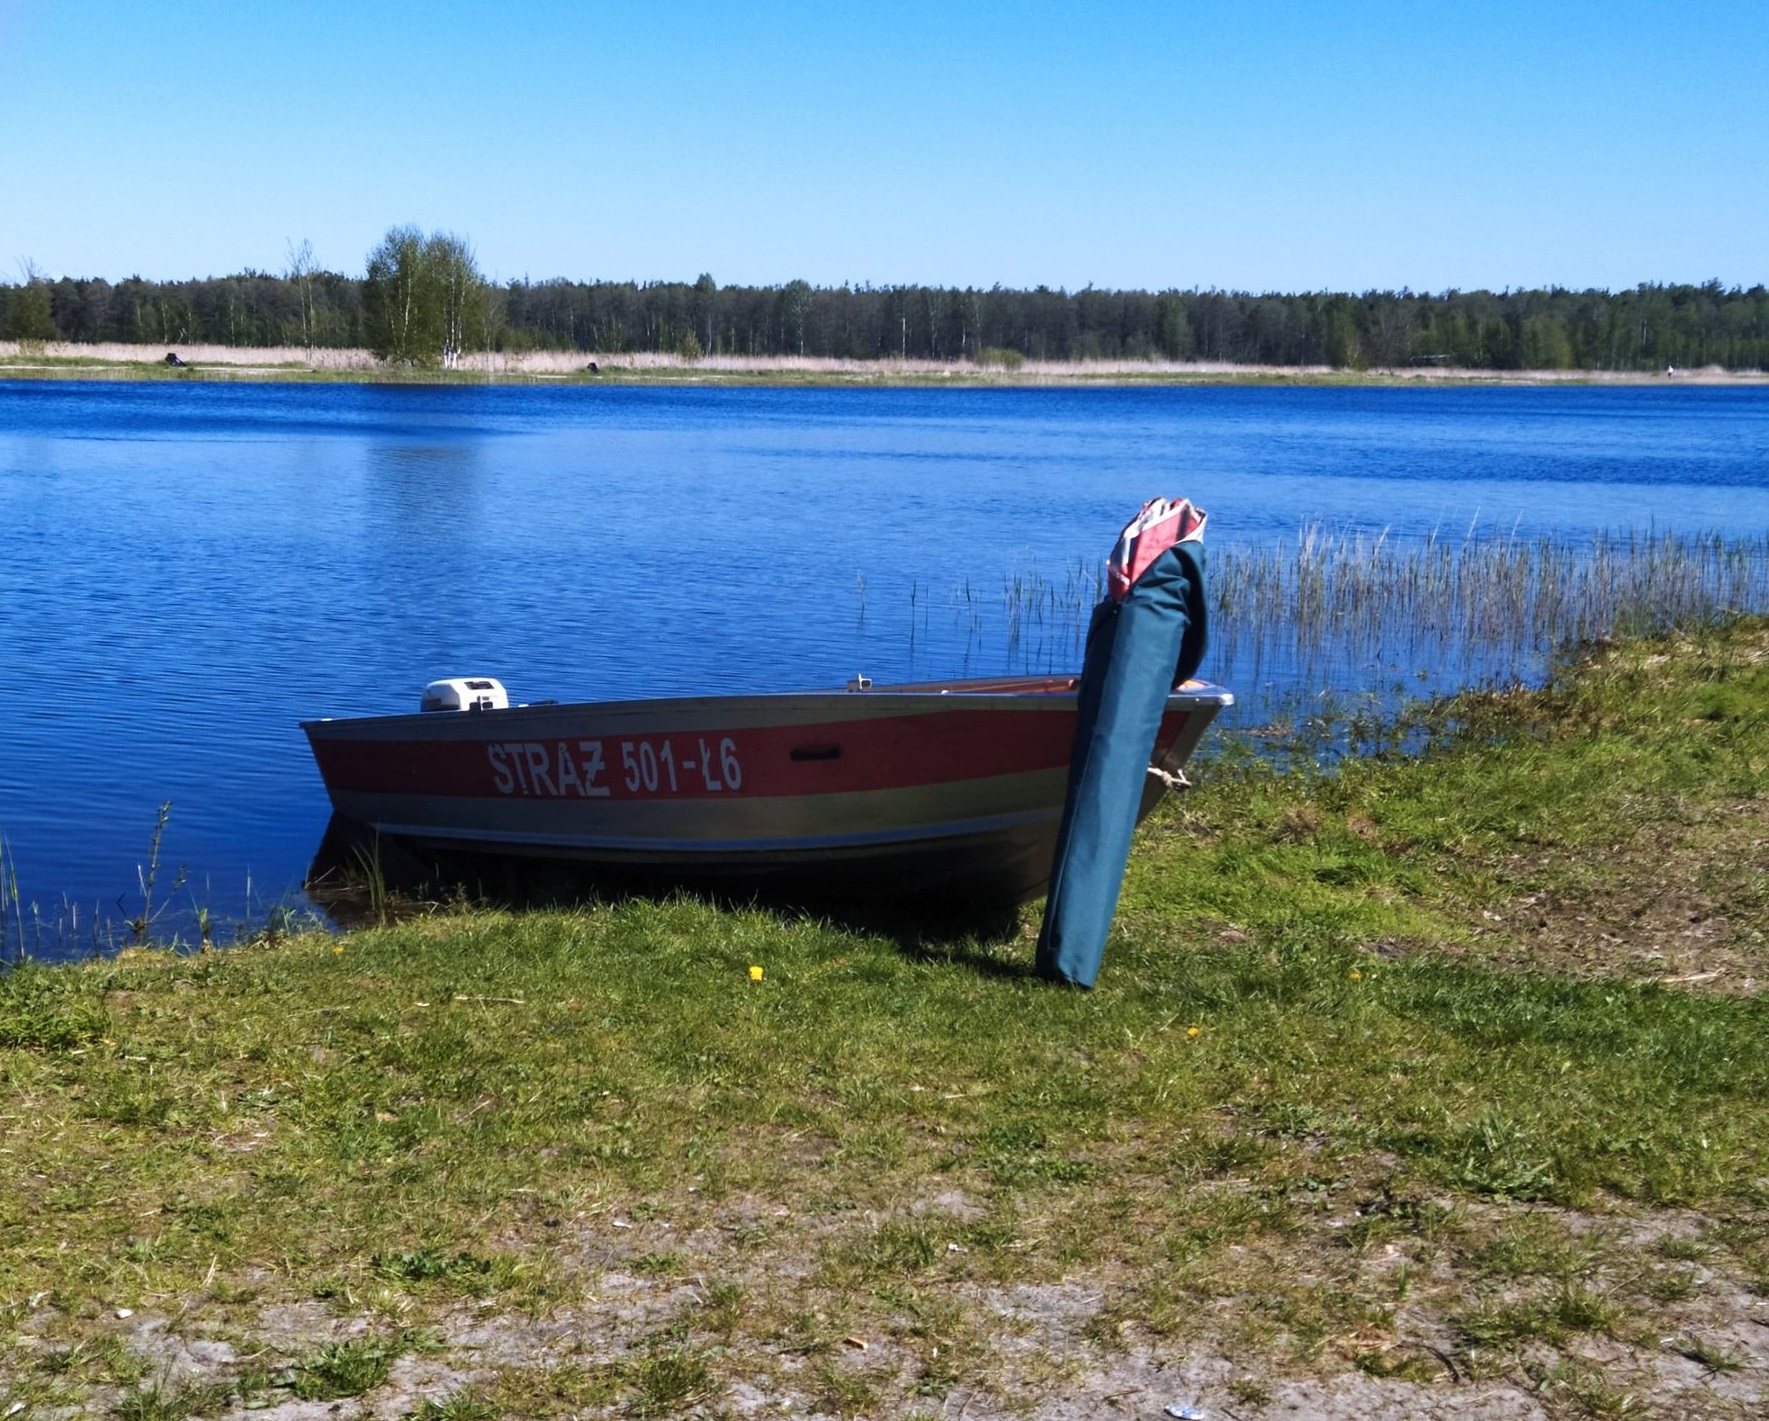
1433 1085
68 361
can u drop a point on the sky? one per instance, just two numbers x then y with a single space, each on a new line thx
1247 145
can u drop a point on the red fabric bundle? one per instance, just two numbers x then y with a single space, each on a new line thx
1161 524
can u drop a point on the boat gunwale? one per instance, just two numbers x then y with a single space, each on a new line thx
1037 690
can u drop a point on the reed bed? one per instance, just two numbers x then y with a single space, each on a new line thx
163 915
193 353
1497 592
993 367
570 362
1350 619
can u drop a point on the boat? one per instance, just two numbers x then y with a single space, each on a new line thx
937 789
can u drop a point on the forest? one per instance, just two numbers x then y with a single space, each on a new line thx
1648 327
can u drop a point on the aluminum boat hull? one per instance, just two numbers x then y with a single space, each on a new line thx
954 788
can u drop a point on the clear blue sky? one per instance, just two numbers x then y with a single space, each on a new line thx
1268 146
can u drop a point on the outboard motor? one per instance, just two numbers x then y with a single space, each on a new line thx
465 693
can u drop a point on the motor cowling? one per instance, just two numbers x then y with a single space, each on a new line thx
465 693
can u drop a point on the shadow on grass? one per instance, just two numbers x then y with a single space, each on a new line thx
940 931
362 880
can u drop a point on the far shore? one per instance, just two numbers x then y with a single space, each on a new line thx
57 360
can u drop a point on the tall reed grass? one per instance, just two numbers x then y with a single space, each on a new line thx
120 353
992 365
11 914
1355 619
65 930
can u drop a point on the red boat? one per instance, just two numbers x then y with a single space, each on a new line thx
949 788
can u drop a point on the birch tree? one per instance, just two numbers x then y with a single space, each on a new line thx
301 270
456 287
31 318
424 299
397 301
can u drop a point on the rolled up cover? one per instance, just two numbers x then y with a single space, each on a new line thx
1161 523
1139 647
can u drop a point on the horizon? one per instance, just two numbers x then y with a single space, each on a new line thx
1371 147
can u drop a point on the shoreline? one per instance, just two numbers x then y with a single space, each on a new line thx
584 1160
67 361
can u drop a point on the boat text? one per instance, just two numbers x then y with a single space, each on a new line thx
563 769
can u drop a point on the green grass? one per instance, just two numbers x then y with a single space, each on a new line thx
159 1401
1327 1040
341 1369
460 1407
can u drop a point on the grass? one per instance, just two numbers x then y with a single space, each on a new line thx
159 1401
341 1369
1383 1080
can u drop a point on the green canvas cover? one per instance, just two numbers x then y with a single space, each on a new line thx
1137 651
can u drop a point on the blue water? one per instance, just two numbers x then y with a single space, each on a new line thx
188 570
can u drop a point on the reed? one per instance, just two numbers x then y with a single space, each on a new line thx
1362 619
1487 595
12 926
148 876
68 930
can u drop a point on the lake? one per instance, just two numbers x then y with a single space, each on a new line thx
189 570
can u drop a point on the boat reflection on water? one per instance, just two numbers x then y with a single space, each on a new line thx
945 791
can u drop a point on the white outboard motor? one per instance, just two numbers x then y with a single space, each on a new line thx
465 693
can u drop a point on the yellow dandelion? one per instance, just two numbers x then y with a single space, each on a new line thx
1355 975
755 974
336 951
1193 1030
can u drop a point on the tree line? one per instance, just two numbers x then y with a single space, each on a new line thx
423 300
